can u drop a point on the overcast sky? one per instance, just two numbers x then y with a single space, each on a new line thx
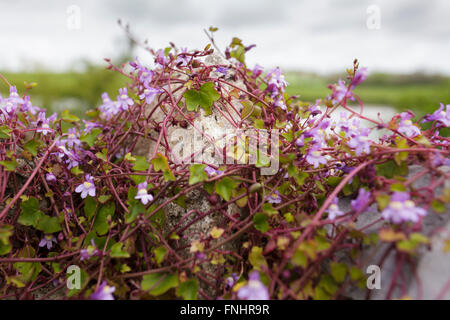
321 35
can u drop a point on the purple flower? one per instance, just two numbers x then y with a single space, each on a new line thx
123 100
87 187
142 193
231 280
406 126
104 292
212 172
182 59
50 177
276 83
362 199
161 59
109 108
439 160
254 289
86 254
300 142
47 241
28 106
149 94
360 143
89 125
121 153
43 124
440 115
360 76
333 210
72 138
274 197
340 91
144 74
315 158
222 70
315 108
257 70
402 209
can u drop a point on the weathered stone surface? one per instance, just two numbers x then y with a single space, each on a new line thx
186 141
432 264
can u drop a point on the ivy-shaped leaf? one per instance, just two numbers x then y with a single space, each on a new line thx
225 187
205 97
188 289
197 173
159 283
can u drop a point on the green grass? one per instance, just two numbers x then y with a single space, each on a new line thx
419 93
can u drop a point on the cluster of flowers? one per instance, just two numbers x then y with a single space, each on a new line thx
81 175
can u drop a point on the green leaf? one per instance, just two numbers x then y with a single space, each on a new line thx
90 206
10 165
117 252
205 97
225 187
90 137
32 146
101 220
188 289
159 283
133 211
48 224
256 258
6 232
30 213
141 164
197 173
160 254
5 132
338 271
438 206
260 222
299 258
66 116
390 169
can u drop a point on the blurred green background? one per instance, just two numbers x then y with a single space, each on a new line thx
80 91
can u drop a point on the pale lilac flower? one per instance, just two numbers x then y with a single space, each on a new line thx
274 197
144 74
362 200
439 160
161 59
276 83
86 254
142 193
402 209
360 143
47 241
87 187
89 125
254 289
50 177
257 70
440 115
123 100
315 108
104 292
109 108
360 76
231 280
340 91
280 103
149 94
406 126
28 106
222 70
300 142
182 59
333 210
315 158
43 124
73 138
212 172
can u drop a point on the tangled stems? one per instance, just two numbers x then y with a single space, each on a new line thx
101 194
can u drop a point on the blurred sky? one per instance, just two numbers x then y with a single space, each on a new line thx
322 35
